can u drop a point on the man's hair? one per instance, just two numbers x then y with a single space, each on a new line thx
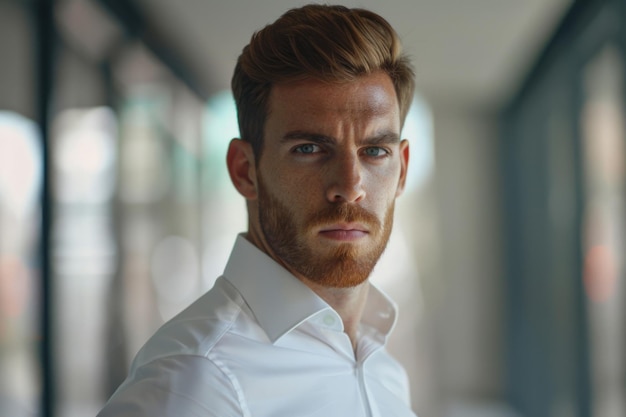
328 43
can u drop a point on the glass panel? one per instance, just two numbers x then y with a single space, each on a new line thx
20 183
224 209
84 252
158 208
604 146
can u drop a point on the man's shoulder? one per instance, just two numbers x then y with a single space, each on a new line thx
197 329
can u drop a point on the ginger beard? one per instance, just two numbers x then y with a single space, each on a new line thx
339 266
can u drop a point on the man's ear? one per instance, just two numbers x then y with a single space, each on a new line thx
404 166
241 168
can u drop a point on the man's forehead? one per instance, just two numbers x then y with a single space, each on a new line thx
373 93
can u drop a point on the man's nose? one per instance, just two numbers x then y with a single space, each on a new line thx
345 180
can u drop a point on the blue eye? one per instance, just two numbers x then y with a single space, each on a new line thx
307 148
375 151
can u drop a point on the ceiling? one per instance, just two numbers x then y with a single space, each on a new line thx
465 51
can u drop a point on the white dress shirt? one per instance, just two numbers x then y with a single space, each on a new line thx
260 343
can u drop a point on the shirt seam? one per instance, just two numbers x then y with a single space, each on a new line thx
237 389
210 355
201 350
241 398
207 350
181 395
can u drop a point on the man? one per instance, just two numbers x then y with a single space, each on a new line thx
293 327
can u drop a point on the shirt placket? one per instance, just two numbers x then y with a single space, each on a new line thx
339 341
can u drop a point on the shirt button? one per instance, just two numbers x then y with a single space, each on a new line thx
329 320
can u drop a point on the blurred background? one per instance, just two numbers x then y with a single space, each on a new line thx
508 253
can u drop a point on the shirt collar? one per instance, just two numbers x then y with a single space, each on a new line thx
280 302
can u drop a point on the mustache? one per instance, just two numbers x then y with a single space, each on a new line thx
344 212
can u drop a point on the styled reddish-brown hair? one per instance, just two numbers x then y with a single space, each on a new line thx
328 43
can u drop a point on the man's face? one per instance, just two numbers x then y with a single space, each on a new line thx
331 168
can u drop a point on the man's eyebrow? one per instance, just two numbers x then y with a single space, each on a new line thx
308 136
380 138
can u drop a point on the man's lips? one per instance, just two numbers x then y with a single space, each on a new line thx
344 232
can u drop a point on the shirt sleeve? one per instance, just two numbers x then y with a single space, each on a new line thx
176 386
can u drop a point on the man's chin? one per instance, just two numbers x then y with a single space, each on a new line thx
340 270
